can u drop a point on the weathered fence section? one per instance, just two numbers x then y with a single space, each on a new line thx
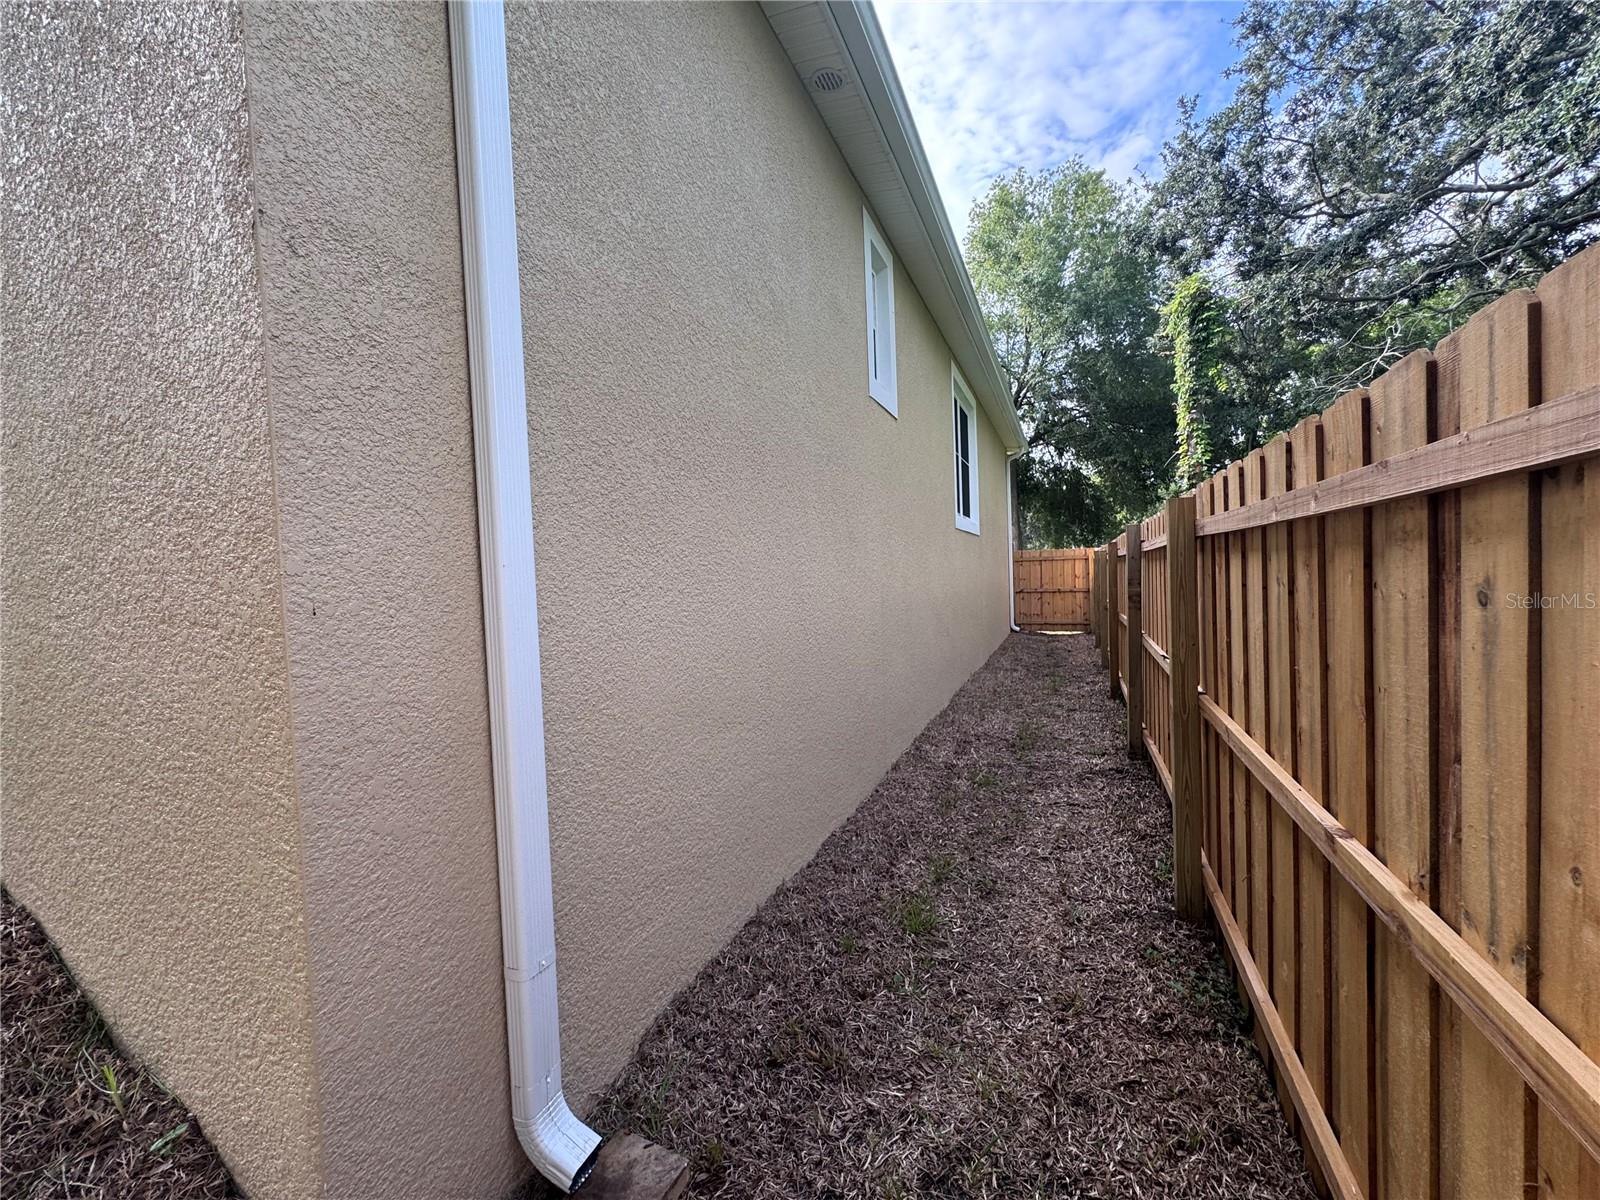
1365 664
1052 589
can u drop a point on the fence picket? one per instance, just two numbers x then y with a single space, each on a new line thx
1134 587
1310 748
1237 646
1568 939
1345 539
1277 674
1402 666
1183 644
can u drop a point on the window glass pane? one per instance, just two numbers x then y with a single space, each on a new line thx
966 490
961 424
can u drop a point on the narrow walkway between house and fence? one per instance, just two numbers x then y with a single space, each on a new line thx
978 987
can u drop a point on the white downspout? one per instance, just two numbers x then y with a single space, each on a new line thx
560 1145
1011 534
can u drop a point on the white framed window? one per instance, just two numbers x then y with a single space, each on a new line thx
965 429
880 316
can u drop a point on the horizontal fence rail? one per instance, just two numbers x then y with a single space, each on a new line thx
1364 663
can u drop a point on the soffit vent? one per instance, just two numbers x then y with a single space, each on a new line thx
827 79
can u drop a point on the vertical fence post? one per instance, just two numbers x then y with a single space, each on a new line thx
1135 644
1094 595
1104 569
1183 617
1100 604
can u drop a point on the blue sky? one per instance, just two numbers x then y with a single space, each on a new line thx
994 86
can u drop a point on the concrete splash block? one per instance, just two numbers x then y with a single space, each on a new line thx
631 1168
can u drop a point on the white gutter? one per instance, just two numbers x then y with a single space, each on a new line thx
560 1145
1011 533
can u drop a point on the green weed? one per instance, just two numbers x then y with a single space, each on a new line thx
113 1088
917 916
163 1145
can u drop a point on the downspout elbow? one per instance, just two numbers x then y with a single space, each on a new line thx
562 1147
556 1142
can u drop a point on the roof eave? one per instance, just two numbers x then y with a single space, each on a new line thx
892 170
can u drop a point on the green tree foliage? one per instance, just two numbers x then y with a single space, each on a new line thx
1061 264
1385 168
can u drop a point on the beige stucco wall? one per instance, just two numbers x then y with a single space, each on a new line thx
243 658
361 263
752 591
145 764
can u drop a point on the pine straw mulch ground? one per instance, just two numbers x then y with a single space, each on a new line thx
977 988
78 1118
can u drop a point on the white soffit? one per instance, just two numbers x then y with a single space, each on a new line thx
871 123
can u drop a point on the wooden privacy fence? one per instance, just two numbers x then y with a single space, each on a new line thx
1052 589
1365 664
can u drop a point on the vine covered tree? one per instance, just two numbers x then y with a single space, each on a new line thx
1194 326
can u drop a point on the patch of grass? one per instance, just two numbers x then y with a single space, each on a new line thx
987 1088
917 915
785 1046
1069 1003
652 1108
941 867
1210 988
907 982
798 1043
713 1157
947 802
83 1119
830 1058
1164 867
983 778
849 943
1026 737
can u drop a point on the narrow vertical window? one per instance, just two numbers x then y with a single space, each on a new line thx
965 440
880 316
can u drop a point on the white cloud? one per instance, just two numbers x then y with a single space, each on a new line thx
996 86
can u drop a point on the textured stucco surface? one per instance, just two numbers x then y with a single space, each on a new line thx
243 643
149 800
361 262
752 592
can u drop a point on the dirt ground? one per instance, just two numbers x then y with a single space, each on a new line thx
978 987
78 1118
